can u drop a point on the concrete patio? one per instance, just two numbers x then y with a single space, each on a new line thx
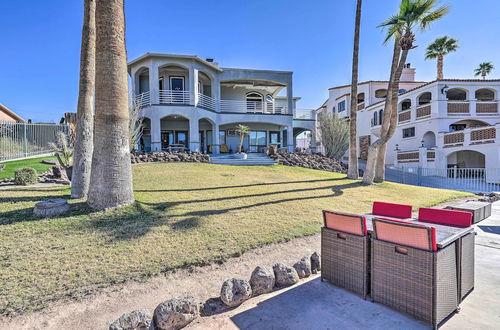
316 305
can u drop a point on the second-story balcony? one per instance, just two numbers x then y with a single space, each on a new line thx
247 106
470 137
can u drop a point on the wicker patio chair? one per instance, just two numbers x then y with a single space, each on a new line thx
345 251
465 244
409 273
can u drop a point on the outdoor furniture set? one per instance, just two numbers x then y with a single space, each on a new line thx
423 267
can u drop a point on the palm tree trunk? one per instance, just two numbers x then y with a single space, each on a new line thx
82 159
484 75
381 152
241 144
111 178
440 67
371 161
353 152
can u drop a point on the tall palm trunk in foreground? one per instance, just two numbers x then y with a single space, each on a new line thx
82 159
353 152
111 178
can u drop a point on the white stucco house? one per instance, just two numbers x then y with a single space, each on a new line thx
449 123
193 102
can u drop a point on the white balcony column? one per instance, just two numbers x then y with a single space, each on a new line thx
216 94
192 84
195 88
154 83
290 139
216 140
466 136
289 98
497 137
155 134
473 107
422 156
282 141
194 135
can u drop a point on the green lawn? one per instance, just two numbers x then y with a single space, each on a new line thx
36 163
186 214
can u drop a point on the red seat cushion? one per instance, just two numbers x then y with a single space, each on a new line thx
392 210
405 233
345 222
445 217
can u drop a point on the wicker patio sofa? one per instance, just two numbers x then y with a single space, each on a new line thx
464 245
409 273
345 251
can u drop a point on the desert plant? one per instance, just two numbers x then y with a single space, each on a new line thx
135 122
62 150
484 69
333 134
242 130
25 176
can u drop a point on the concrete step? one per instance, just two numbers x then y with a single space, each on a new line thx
252 159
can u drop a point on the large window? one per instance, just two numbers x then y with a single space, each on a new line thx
341 106
222 137
274 137
408 132
257 140
254 102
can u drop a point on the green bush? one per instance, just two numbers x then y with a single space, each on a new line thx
25 176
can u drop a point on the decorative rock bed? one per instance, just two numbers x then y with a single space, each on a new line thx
177 313
186 157
52 175
312 161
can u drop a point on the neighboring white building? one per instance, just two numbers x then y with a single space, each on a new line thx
441 124
193 102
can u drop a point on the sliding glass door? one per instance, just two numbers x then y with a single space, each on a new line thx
257 141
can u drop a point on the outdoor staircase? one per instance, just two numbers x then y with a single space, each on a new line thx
252 159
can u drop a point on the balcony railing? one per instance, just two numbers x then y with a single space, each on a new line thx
458 107
143 99
252 107
174 97
404 116
205 101
303 114
487 107
424 111
469 136
482 135
408 156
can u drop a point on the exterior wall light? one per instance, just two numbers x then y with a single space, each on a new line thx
397 147
444 89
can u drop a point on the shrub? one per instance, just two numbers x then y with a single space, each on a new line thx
25 176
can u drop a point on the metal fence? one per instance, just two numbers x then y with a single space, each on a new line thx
475 180
23 140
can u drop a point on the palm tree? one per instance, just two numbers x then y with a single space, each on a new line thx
111 176
438 49
82 159
241 130
353 153
484 69
413 14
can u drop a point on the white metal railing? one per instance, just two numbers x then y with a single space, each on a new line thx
23 140
143 99
174 97
205 101
304 114
474 180
242 106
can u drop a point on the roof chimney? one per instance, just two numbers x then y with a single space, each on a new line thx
408 74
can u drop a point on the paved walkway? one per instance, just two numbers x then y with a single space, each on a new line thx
317 305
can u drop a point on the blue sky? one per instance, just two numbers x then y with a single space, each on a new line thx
39 58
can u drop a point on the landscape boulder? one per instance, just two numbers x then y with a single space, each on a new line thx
49 161
51 207
136 320
175 313
262 280
235 291
163 156
303 267
315 262
285 276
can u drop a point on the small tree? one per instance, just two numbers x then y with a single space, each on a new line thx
63 150
242 130
333 134
484 69
135 123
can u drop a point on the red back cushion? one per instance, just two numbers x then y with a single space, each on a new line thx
405 233
392 210
445 217
345 222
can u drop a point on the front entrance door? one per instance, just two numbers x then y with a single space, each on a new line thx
202 142
167 138
257 141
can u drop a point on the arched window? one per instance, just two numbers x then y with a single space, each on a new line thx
375 118
381 93
405 105
254 101
425 98
485 94
361 98
456 94
381 117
